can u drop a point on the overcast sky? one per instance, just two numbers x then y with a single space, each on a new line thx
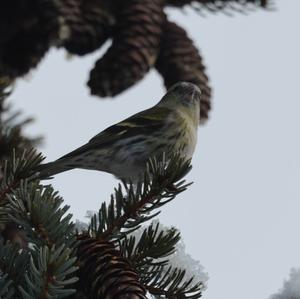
240 218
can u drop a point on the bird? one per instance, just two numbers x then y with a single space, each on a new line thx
123 149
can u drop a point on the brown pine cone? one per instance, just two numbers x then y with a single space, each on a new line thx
134 48
179 60
104 273
89 24
25 41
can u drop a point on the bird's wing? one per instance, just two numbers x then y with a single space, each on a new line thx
143 122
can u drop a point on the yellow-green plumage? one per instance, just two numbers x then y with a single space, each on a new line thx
124 148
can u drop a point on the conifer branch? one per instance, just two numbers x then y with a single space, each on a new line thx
5 287
15 161
152 248
17 169
52 243
38 210
48 274
168 282
47 231
149 255
161 183
13 265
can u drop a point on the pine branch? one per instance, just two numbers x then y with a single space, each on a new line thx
48 234
38 210
152 248
6 292
12 148
51 242
47 276
149 255
168 282
13 265
161 183
17 169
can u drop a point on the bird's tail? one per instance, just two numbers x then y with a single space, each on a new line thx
47 170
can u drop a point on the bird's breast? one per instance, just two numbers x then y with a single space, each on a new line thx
188 135
190 140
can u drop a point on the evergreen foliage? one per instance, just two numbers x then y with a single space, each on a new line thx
152 248
45 267
13 264
42 255
46 261
125 212
149 256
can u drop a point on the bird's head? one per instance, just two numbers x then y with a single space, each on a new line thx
184 96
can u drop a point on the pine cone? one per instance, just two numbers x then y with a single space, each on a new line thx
89 24
134 48
25 41
215 5
179 60
104 274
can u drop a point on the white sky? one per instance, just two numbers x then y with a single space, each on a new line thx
240 218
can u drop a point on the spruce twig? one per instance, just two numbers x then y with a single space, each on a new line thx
17 169
47 276
38 210
153 247
13 265
161 183
149 256
47 235
168 282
